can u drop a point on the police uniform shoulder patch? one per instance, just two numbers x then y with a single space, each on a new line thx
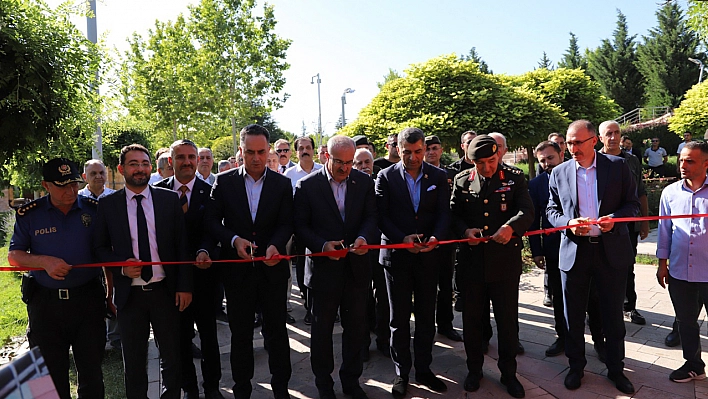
513 169
91 201
22 211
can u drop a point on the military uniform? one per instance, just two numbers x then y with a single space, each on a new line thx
491 270
70 312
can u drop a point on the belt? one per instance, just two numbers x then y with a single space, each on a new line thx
593 239
68 293
148 287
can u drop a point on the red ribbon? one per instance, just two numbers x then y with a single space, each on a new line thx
340 253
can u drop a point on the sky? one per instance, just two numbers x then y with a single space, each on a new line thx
353 44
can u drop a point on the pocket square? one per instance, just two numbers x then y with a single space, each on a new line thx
431 188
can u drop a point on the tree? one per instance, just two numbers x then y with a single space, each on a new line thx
119 133
570 89
474 56
391 75
572 58
698 18
692 114
663 58
545 62
446 96
47 100
613 66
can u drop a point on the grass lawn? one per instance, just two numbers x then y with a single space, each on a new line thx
13 317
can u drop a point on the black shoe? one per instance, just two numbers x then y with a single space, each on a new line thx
400 386
621 382
213 393
196 352
384 349
308 318
547 301
431 381
673 339
289 319
472 382
452 335
687 373
258 321
573 379
191 394
601 351
355 392
365 354
556 348
337 319
520 348
513 386
458 306
637 318
327 393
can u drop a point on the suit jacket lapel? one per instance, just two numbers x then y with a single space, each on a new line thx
197 194
602 171
573 184
241 196
122 209
402 185
327 193
348 200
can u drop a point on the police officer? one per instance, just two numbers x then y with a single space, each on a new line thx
65 305
490 200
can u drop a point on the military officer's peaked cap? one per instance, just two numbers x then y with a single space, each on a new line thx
430 140
481 146
61 172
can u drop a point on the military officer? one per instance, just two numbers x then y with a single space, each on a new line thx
490 200
65 305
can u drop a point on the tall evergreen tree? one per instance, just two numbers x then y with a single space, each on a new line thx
545 62
573 59
474 56
663 58
613 66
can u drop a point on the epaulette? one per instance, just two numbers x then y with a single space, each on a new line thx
464 173
21 211
90 200
513 169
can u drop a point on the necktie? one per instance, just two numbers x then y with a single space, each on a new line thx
183 198
143 240
485 184
282 169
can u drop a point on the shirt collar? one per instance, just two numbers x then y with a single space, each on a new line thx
594 164
404 173
683 185
130 193
245 174
330 178
189 185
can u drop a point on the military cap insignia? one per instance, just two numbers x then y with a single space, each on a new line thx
86 219
64 169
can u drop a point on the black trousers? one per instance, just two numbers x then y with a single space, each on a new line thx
351 301
443 315
412 275
143 309
377 310
630 302
55 325
505 298
555 285
201 312
688 299
243 292
592 264
298 248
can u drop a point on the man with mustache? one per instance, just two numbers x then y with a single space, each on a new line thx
306 165
282 148
194 194
392 156
206 163
95 176
143 223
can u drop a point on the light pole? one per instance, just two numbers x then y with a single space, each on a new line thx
319 108
92 33
700 65
344 101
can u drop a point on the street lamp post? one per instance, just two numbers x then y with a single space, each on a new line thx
319 108
700 65
92 33
344 101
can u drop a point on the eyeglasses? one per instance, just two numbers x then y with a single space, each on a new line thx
578 142
655 141
282 150
393 144
339 162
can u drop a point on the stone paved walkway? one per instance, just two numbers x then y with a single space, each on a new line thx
648 361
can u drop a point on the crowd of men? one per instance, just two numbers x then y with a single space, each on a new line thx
162 238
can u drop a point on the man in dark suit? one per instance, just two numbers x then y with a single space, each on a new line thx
145 223
194 194
413 203
595 188
335 208
250 213
544 248
491 200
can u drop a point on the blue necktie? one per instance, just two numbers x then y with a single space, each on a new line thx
143 240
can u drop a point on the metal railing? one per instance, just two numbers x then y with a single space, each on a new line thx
642 115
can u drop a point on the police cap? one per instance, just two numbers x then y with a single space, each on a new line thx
481 146
430 140
360 140
61 172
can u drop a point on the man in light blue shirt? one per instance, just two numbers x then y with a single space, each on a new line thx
682 242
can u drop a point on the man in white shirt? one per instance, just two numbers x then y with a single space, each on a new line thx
95 176
282 148
655 158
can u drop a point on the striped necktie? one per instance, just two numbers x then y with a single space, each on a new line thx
183 198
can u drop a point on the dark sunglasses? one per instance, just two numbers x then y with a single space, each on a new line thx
282 150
